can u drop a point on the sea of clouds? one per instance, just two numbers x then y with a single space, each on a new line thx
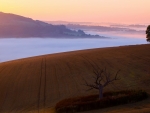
13 48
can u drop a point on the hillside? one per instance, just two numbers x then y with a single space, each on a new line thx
17 26
36 84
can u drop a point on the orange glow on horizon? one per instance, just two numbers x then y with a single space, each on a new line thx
114 11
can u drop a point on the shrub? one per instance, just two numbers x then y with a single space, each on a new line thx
91 102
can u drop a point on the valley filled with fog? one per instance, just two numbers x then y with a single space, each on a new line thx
16 48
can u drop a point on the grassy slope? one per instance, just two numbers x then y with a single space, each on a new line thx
36 84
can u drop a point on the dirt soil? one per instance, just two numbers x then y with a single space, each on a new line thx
36 84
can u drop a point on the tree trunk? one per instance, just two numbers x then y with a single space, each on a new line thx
100 91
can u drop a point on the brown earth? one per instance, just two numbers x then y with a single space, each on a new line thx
36 84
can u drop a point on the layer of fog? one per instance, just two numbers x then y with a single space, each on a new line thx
117 34
12 48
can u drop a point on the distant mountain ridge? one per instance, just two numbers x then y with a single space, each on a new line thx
12 25
102 27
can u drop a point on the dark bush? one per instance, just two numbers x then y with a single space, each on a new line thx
85 103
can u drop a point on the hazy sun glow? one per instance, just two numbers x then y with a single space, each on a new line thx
115 11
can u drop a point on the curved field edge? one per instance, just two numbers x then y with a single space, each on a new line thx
38 83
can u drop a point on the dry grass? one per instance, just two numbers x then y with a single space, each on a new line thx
37 84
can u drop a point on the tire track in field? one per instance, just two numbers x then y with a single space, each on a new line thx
45 86
5 93
18 79
10 84
2 69
52 83
61 73
89 61
71 75
40 82
42 87
58 78
139 57
68 73
29 106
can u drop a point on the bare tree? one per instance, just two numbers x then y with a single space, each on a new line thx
102 78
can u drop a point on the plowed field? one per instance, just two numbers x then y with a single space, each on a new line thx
36 84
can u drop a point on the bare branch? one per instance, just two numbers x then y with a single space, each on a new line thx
90 85
117 74
101 75
109 81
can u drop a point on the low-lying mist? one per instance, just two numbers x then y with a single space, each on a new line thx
13 48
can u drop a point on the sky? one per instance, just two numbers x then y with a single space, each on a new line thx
97 11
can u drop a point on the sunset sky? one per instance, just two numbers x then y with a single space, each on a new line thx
114 11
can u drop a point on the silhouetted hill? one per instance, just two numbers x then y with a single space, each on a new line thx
12 25
101 27
105 28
